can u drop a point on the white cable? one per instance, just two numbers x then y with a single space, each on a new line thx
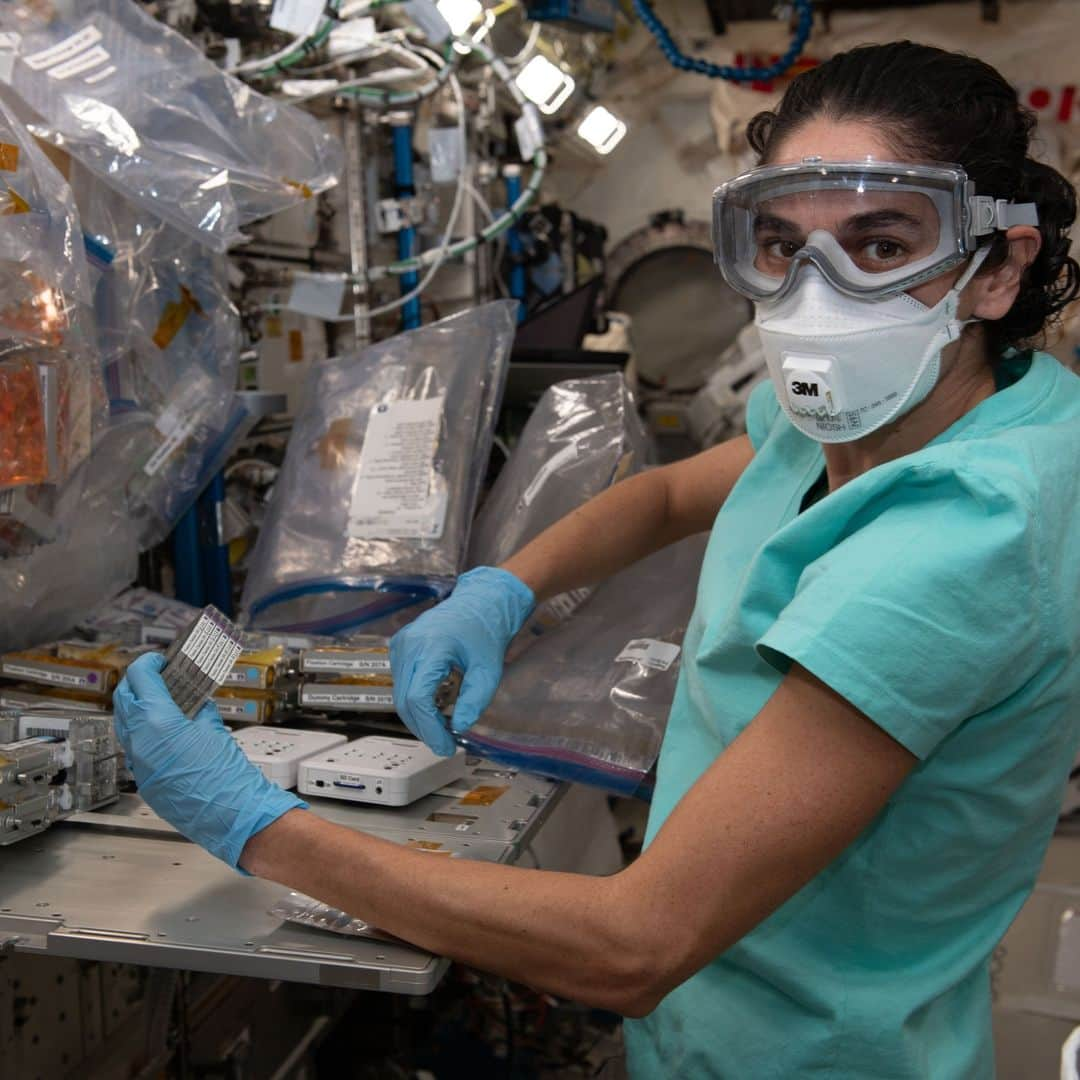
268 61
500 244
386 77
430 54
376 78
480 201
369 52
526 51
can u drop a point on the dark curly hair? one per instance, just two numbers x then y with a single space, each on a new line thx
938 106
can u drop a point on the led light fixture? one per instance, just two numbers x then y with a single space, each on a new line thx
545 84
459 14
602 130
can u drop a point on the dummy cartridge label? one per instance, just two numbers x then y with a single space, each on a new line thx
347 699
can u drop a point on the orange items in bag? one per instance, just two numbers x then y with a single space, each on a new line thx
24 456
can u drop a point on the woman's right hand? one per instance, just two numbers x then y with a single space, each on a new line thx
469 631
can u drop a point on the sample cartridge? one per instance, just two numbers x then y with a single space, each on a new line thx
200 659
94 670
255 670
372 693
241 707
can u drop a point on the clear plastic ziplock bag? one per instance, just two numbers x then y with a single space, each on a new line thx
171 456
583 436
92 556
372 509
170 340
589 701
149 113
161 300
51 397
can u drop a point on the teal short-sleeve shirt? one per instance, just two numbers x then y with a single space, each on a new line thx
940 594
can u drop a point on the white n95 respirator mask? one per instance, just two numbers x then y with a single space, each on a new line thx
844 367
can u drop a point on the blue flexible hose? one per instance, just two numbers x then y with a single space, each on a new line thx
679 59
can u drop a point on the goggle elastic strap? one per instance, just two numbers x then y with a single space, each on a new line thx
993 215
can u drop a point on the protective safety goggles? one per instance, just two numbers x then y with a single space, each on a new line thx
873 228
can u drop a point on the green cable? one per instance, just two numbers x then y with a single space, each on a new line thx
310 43
491 232
390 98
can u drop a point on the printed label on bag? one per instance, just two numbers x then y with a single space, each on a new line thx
84 62
64 50
9 50
175 435
658 655
397 495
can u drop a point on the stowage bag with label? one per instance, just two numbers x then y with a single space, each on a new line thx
152 116
371 512
590 700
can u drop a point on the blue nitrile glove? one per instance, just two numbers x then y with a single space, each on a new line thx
192 772
470 631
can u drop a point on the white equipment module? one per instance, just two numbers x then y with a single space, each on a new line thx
380 769
278 751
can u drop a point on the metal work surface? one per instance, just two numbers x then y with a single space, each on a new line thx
121 885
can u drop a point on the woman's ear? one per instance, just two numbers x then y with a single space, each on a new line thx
994 293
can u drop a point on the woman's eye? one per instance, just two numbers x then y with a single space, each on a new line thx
883 250
782 249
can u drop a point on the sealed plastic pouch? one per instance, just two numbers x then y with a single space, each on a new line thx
91 556
583 436
161 301
589 701
149 113
372 509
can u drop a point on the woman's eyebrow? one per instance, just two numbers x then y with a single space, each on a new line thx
877 219
772 223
